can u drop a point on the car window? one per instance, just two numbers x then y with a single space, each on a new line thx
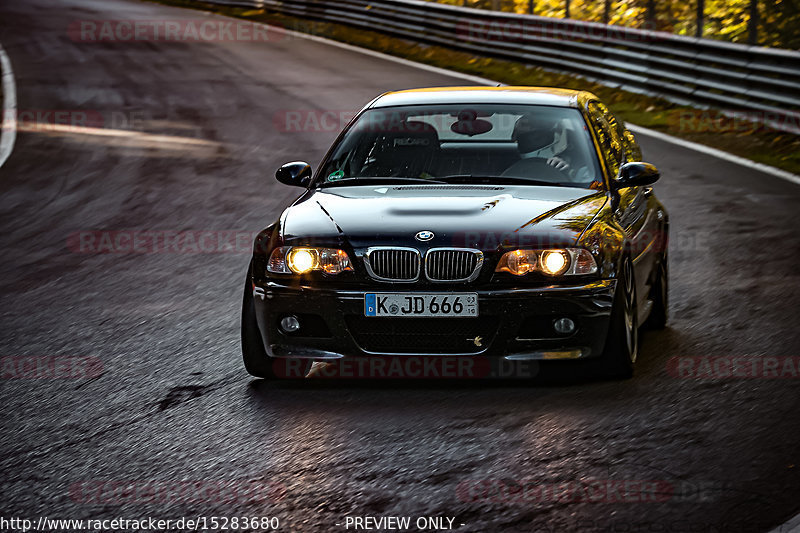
608 136
521 142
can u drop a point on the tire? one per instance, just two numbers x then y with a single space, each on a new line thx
622 343
659 295
256 361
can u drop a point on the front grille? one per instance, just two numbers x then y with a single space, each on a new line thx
394 264
452 264
427 336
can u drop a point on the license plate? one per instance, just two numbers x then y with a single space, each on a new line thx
421 305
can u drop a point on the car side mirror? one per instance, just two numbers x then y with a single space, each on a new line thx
636 174
297 174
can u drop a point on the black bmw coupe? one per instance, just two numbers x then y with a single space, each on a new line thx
515 223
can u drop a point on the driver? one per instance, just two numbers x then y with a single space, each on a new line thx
540 138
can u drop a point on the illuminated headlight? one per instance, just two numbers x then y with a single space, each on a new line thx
555 262
301 260
567 262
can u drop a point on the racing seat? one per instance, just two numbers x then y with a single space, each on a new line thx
408 149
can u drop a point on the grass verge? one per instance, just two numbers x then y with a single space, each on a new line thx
752 140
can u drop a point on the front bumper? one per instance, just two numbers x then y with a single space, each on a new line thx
515 324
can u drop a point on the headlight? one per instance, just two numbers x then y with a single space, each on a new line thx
301 260
569 262
554 262
519 262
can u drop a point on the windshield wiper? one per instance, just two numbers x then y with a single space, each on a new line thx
379 180
494 180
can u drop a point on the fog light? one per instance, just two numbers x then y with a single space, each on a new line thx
290 324
564 326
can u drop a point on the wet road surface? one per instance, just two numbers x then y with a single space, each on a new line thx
186 137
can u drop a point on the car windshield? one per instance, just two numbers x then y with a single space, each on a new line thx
480 143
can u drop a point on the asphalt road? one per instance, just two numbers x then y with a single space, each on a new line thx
188 142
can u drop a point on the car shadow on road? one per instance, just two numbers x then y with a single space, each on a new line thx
657 348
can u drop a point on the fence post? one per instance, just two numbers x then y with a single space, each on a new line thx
701 9
752 24
651 14
566 9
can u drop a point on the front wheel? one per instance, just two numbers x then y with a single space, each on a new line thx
622 343
256 361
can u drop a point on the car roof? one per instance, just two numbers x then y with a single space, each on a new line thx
550 96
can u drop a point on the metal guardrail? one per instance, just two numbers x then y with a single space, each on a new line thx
685 70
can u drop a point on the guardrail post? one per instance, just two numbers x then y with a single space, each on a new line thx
752 24
607 12
761 80
701 8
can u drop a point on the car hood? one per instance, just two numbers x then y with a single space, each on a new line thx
474 216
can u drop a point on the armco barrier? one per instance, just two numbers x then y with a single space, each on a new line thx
682 69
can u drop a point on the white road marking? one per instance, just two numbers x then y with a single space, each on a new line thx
9 106
9 119
145 137
766 169
372 53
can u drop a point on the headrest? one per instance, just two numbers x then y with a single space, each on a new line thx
412 134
